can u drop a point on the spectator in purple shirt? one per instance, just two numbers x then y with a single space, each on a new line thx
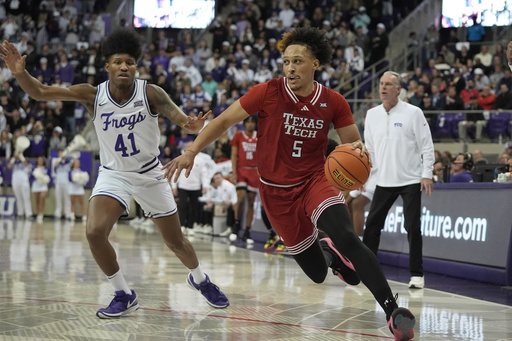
162 59
461 168
44 71
37 140
182 141
65 70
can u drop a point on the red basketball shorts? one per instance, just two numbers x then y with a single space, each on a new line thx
294 211
248 178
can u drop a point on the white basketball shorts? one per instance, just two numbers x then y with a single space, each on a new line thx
150 190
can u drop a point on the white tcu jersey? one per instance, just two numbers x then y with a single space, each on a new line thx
128 134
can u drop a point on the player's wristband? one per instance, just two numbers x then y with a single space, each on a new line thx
190 151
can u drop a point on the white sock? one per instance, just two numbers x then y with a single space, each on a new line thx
119 283
198 275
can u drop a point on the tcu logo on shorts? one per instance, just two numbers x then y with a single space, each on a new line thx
342 179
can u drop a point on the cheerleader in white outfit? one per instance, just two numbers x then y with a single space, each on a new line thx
62 166
40 186
78 178
21 185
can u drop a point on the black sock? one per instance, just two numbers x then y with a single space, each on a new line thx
388 304
236 226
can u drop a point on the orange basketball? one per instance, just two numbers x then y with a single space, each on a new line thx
346 169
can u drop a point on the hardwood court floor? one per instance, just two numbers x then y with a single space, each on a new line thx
50 289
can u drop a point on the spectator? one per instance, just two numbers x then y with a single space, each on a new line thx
177 59
209 85
480 79
473 120
461 168
361 19
507 79
188 190
219 192
192 73
5 145
162 59
503 158
244 74
500 54
485 56
222 105
438 174
58 140
475 32
379 43
486 98
469 91
272 20
37 140
65 71
478 157
203 52
43 71
417 98
438 99
219 33
31 62
264 74
425 106
508 148
200 98
497 74
430 42
362 39
286 15
96 27
503 100
453 101
463 56
356 62
448 55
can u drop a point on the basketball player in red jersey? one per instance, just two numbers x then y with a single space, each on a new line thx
295 114
245 176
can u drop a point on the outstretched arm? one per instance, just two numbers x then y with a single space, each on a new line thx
160 102
232 115
83 93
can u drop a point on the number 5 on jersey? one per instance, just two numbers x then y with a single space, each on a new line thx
122 147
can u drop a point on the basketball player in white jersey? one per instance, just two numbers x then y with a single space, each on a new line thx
125 111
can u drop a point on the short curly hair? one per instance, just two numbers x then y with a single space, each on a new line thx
314 40
122 40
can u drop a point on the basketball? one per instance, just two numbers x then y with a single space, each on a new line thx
346 169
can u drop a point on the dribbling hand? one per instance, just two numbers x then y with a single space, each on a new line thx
360 145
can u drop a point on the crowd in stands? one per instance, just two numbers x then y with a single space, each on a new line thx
467 78
61 40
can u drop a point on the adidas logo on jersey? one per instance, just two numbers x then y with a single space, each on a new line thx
304 108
